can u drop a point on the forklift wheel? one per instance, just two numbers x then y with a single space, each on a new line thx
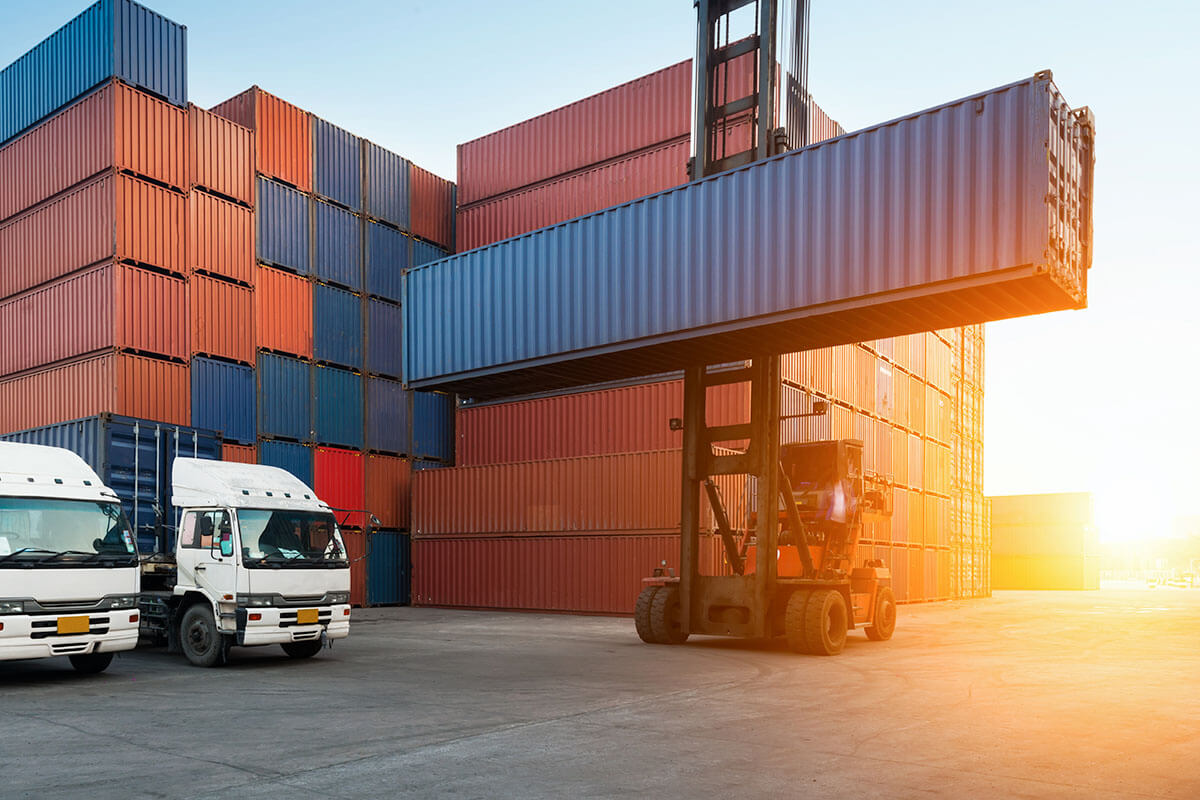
664 617
825 622
793 621
641 615
883 624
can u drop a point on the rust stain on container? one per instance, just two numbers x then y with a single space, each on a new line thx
220 237
221 155
283 312
283 135
222 317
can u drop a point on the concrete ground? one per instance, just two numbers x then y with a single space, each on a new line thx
1029 694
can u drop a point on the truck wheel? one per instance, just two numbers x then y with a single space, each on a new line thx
91 663
202 642
664 617
641 615
825 623
794 620
883 624
302 649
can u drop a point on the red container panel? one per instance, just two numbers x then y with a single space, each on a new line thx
220 155
338 479
283 135
114 306
222 317
388 489
431 207
220 237
115 127
240 453
356 551
118 383
283 312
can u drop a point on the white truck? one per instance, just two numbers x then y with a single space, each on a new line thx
68 562
258 560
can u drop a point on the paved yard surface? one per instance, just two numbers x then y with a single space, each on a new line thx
1029 694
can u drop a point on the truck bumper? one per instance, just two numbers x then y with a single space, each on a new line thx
279 625
37 637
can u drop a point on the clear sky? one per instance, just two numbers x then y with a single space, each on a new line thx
1102 400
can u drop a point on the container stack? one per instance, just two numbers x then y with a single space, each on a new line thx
1044 541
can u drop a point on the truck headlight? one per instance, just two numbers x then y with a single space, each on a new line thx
337 598
121 601
12 607
256 600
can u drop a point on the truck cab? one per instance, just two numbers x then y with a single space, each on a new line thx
69 575
258 560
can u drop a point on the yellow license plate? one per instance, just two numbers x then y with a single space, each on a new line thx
307 616
73 625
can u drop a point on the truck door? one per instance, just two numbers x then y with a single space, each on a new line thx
199 558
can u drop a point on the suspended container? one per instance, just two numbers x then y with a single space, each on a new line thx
223 398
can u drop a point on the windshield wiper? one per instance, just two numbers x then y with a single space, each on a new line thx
16 553
56 556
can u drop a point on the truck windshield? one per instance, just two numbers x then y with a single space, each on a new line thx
54 533
290 538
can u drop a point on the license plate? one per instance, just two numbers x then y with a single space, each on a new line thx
307 616
73 625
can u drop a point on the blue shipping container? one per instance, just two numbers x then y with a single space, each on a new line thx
386 186
423 252
338 256
337 327
223 398
388 414
337 164
134 458
387 258
419 464
295 458
111 39
282 236
385 324
338 407
432 426
284 397
389 569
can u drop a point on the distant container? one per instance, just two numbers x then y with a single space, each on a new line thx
337 254
111 218
337 164
387 256
283 312
284 397
337 327
222 317
283 135
337 407
114 306
432 426
239 453
385 325
339 481
387 186
222 155
114 128
432 207
295 458
1044 541
389 416
424 252
221 237
223 398
134 457
389 569
388 488
283 227
111 39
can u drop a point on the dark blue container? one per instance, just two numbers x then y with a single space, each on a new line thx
338 237
423 252
387 258
223 398
389 569
386 186
432 426
385 324
111 39
134 458
284 397
419 464
337 164
337 327
295 458
338 407
388 415
282 237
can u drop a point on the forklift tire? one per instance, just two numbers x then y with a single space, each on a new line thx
641 615
302 649
91 663
664 617
825 622
794 620
883 624
202 643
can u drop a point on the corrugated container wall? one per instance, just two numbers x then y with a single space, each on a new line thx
432 426
432 207
338 479
385 326
223 398
389 569
283 227
220 238
283 312
337 164
337 407
283 135
222 317
239 453
337 327
387 256
387 180
387 489
337 254
221 155
284 397
424 252
295 458
389 414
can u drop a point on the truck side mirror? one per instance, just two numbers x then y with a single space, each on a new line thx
226 544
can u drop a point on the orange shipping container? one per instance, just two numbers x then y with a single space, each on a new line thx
283 312
221 155
432 207
220 237
118 383
115 127
222 316
283 135
388 486
240 453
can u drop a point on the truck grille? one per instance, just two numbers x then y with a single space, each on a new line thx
48 628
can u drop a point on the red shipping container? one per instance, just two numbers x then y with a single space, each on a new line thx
283 312
222 316
432 207
338 479
114 128
388 489
114 306
111 218
240 453
220 155
356 551
118 383
220 237
283 135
